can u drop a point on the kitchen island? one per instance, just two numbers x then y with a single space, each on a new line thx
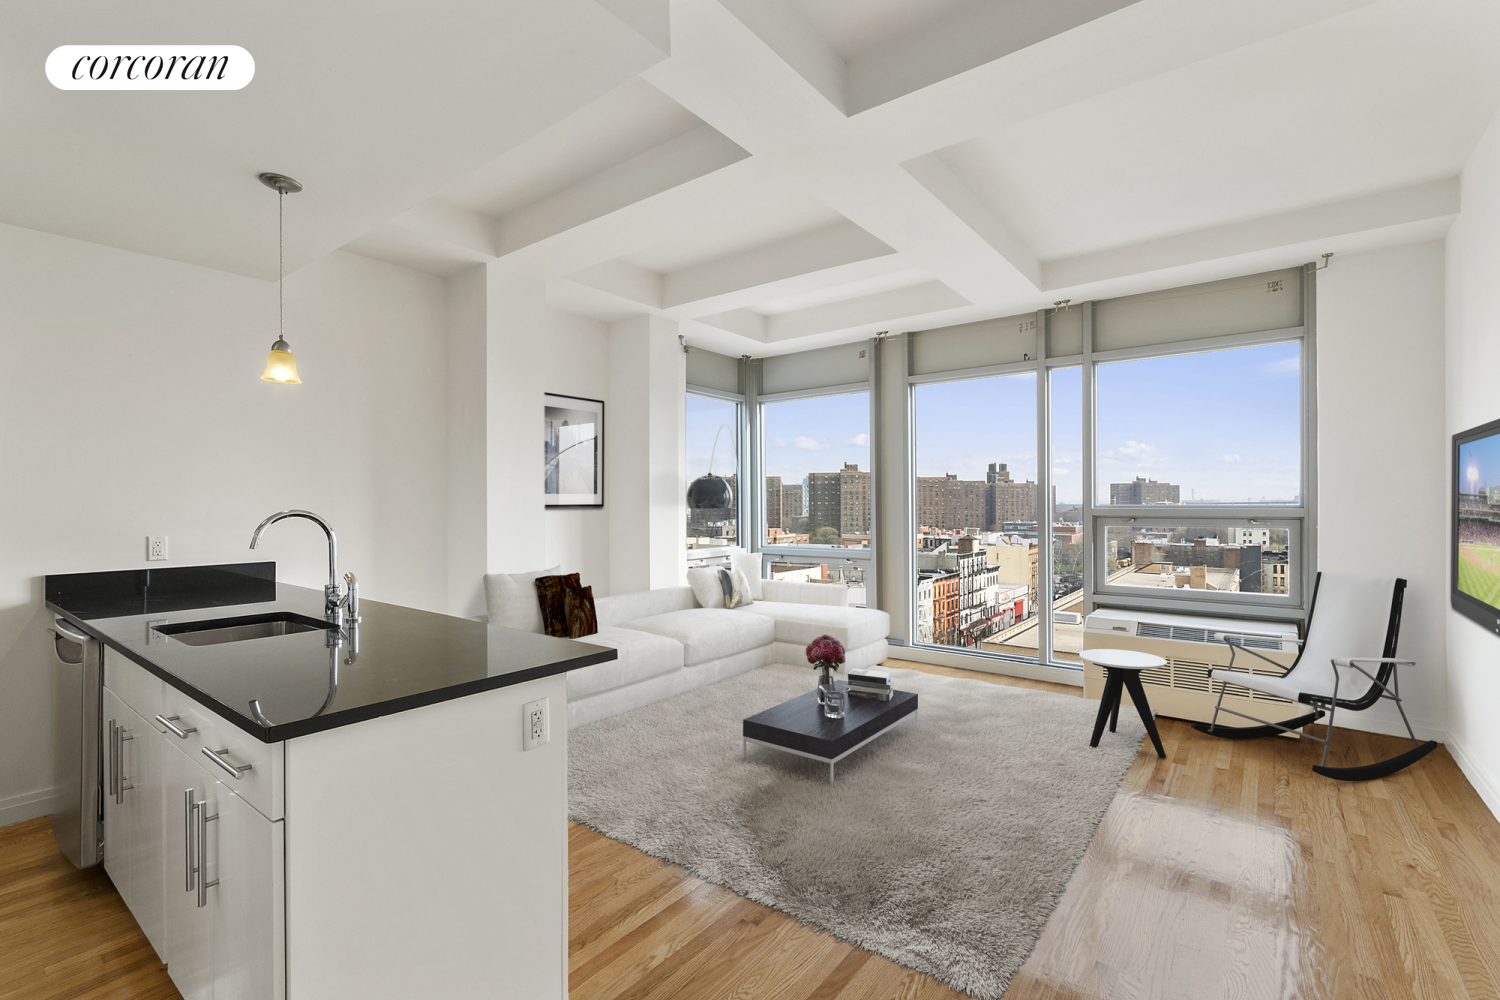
297 809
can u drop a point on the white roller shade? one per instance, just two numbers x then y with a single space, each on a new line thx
1252 304
974 345
708 370
845 364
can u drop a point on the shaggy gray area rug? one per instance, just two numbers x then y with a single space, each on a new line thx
943 847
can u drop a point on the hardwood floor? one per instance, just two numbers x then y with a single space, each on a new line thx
1227 870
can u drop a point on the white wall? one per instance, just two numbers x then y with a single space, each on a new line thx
131 404
534 349
1382 454
1473 360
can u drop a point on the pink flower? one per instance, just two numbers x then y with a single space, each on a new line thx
825 652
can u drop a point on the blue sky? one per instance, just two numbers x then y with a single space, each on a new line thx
704 417
1224 425
1479 464
817 435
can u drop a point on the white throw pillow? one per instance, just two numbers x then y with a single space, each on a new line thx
749 564
706 587
512 599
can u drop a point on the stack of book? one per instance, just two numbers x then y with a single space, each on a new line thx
870 682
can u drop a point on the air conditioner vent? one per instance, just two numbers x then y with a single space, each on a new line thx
1181 633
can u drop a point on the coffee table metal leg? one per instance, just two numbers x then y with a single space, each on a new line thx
830 772
1138 695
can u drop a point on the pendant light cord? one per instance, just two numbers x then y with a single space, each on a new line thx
280 262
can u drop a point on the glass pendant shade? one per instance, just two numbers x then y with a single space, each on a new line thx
281 364
710 492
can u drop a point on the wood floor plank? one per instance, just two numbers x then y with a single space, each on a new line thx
1228 870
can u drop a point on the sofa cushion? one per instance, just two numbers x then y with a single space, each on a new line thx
802 623
643 655
710 633
621 608
511 598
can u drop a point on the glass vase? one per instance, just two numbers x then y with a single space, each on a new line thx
833 701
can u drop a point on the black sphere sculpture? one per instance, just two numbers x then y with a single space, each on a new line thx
710 492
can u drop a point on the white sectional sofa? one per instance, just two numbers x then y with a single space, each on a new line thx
668 644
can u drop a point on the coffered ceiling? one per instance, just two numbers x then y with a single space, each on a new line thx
783 174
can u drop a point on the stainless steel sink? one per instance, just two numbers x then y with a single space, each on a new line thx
217 630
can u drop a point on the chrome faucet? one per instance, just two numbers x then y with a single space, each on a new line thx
337 599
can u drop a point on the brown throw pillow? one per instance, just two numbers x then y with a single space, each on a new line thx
567 606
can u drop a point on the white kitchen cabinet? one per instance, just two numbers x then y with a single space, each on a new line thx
223 884
190 938
249 903
133 816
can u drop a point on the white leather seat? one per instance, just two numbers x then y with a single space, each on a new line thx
709 633
802 623
642 655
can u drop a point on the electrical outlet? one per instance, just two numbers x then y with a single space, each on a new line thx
153 637
534 724
156 548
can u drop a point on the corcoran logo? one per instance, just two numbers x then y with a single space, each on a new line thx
150 67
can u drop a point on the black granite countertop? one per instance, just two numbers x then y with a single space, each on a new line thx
280 687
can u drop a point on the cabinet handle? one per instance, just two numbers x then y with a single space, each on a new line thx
176 731
203 883
121 777
188 807
114 765
214 755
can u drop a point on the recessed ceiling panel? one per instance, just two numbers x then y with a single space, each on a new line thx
623 123
853 28
1381 97
373 108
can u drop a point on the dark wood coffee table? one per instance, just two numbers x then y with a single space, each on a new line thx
799 726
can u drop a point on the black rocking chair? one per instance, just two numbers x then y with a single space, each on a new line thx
1350 612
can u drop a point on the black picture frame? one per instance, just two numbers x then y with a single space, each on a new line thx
1466 604
572 460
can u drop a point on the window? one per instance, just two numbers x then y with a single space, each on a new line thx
977 517
712 426
1191 436
1218 427
817 471
1220 559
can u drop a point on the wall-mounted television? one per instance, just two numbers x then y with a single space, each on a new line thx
1476 524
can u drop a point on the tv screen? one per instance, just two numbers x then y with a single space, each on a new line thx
1476 524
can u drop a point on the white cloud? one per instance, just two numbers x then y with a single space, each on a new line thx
1058 470
859 441
1285 368
808 444
1135 454
1227 457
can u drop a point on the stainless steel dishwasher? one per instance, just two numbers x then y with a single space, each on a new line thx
78 822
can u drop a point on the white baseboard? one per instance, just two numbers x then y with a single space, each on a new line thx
29 805
1485 783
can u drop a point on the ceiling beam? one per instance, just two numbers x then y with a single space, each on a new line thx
812 261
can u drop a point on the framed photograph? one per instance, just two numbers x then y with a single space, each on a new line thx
574 449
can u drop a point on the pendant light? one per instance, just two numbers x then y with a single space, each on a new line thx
708 491
281 364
